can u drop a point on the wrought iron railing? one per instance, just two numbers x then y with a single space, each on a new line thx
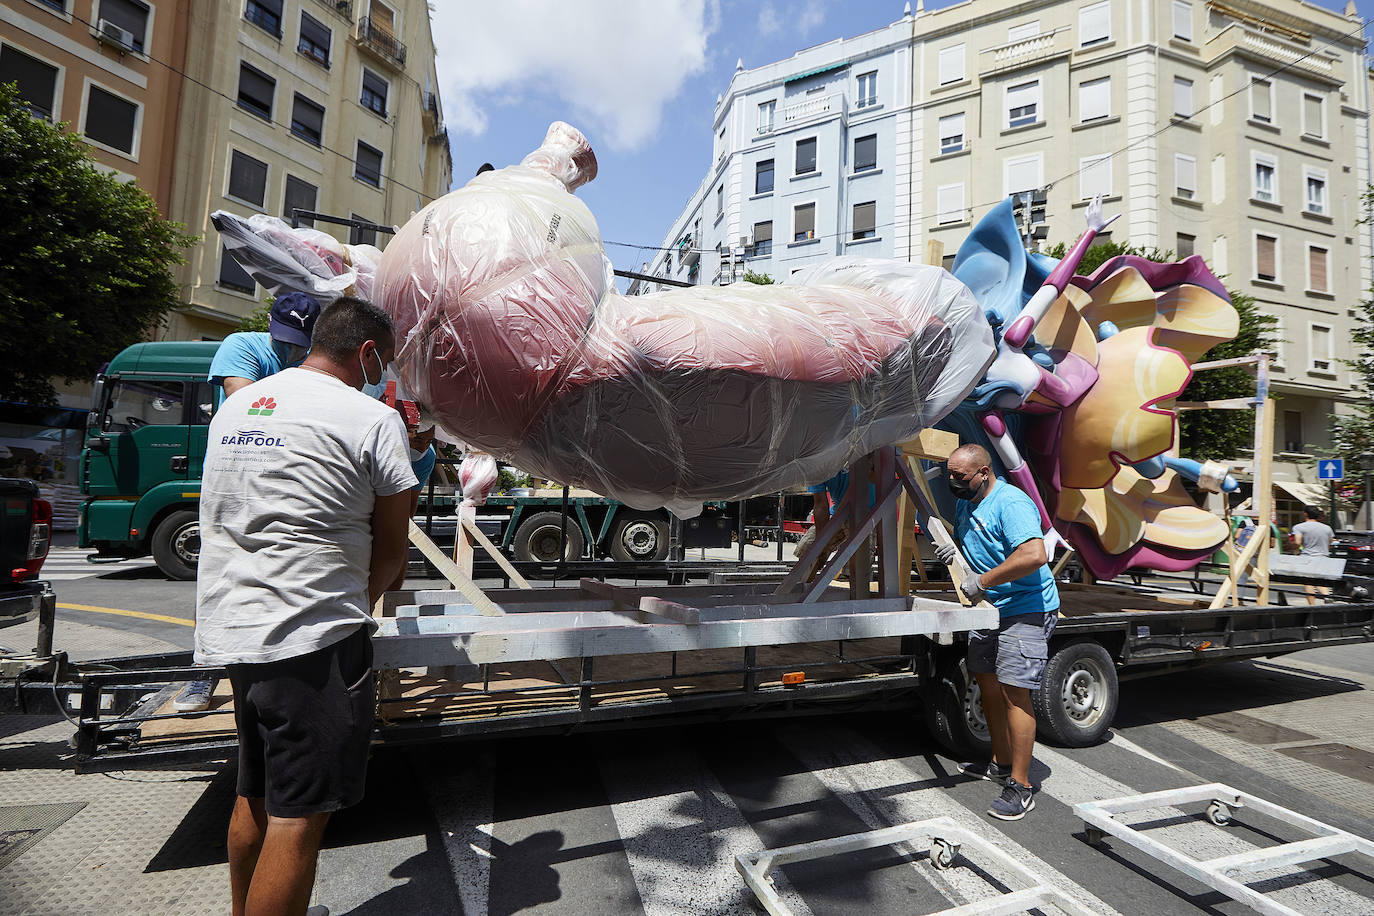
381 39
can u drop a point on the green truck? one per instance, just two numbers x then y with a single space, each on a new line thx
145 447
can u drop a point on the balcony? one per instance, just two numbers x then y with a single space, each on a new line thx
382 42
813 108
342 8
1270 48
1024 53
431 112
687 254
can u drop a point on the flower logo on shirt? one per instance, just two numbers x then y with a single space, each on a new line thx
262 407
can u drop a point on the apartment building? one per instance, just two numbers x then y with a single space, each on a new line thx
1236 130
318 105
95 65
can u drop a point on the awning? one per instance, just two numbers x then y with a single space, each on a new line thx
817 72
1309 494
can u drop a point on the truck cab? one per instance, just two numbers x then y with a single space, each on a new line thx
145 444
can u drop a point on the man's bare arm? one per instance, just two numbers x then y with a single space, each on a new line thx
390 543
233 383
1023 561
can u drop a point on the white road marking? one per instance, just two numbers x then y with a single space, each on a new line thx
461 798
66 564
1119 740
681 831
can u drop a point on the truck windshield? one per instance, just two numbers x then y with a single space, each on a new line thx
138 402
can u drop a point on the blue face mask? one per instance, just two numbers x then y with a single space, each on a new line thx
289 354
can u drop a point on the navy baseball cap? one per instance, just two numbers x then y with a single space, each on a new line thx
293 318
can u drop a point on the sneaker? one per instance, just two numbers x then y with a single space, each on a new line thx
1014 801
318 909
194 697
992 772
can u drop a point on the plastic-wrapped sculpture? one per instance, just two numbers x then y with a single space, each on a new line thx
286 260
512 337
515 340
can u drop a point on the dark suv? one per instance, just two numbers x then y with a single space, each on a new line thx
1357 549
25 532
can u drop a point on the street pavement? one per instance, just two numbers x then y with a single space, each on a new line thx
649 820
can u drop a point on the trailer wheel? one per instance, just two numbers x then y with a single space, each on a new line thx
1077 698
176 544
638 537
954 712
538 537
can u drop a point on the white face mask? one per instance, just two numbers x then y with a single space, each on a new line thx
381 369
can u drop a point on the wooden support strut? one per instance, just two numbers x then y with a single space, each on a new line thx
450 571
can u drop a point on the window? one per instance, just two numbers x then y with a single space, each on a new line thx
803 222
300 195
265 14
1319 346
1094 24
1095 99
864 217
145 403
806 156
949 204
866 153
231 275
1313 116
868 89
1185 176
1265 186
763 239
1316 192
307 120
37 80
763 177
1183 97
1023 104
1185 246
951 131
951 65
720 199
1095 176
1292 431
368 165
256 90
1266 258
374 93
1318 271
247 179
766 112
129 15
315 39
358 236
1023 173
1261 103
111 120
1183 20
59 5
1023 31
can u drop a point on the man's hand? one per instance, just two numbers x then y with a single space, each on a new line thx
420 440
390 543
972 586
945 553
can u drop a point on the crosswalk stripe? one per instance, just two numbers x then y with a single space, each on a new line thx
681 832
885 792
461 798
66 564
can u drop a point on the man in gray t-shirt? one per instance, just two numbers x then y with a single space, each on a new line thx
1313 538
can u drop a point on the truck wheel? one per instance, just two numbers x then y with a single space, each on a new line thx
176 544
954 713
538 537
638 537
1077 698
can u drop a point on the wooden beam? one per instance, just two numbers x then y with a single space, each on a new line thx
858 538
470 525
933 444
450 571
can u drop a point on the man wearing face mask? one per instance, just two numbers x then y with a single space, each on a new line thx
998 528
246 357
303 515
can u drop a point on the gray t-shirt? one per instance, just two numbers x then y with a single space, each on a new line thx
293 466
1316 538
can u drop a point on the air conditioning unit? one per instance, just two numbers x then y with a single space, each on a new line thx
746 241
116 35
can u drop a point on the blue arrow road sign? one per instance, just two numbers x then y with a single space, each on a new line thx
1331 469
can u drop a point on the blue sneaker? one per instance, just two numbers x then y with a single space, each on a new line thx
992 772
194 697
1014 801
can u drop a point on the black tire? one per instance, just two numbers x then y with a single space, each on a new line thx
176 544
1078 696
639 537
538 537
954 713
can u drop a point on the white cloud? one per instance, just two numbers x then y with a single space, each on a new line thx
812 15
769 23
615 65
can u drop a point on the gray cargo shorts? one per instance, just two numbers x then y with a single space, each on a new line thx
1016 651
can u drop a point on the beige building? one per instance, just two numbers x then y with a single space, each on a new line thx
316 105
1237 130
95 65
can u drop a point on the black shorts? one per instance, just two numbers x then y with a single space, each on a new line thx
304 726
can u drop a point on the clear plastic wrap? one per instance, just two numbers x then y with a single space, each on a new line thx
478 476
514 339
285 260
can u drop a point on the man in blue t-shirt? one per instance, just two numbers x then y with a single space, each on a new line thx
998 528
246 357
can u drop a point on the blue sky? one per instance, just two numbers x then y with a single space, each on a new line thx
638 77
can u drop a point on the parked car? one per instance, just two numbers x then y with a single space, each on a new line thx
1357 549
25 533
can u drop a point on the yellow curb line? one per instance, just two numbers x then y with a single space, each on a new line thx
142 615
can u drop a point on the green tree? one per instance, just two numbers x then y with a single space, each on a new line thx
760 279
1205 434
257 320
88 260
1352 434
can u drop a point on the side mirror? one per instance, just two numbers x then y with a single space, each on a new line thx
100 443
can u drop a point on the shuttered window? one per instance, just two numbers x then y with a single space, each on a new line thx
1183 20
1266 257
1185 246
1094 24
1261 102
37 80
763 177
300 195
315 39
951 130
307 120
265 14
763 239
368 165
1183 97
1023 104
374 93
111 120
231 275
129 15
1312 116
1185 176
949 202
806 156
951 65
247 178
1323 359
1095 99
866 153
865 215
1317 260
1023 173
804 222
256 90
